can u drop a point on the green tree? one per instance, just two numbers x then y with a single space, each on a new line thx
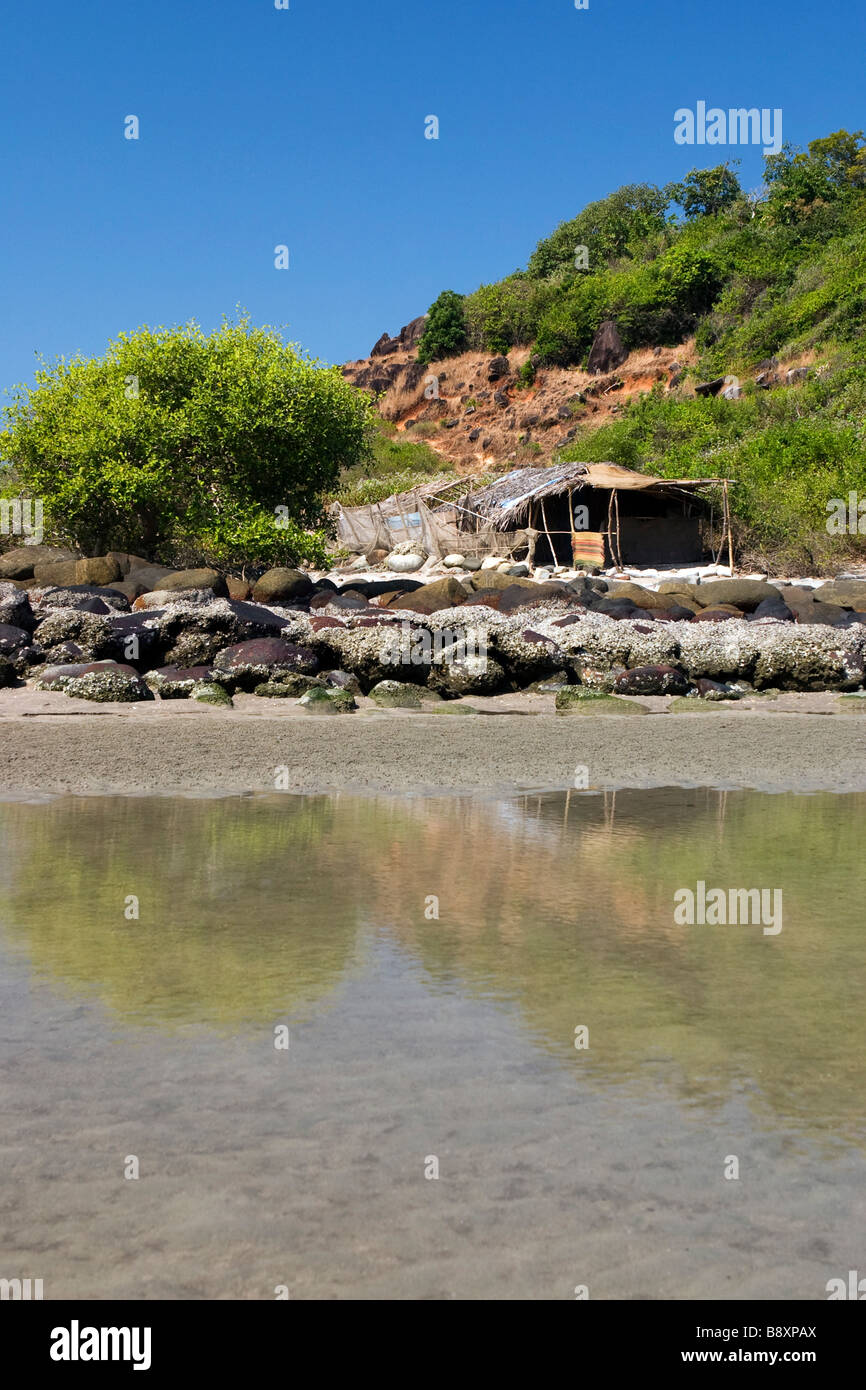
608 229
833 166
706 192
180 443
445 332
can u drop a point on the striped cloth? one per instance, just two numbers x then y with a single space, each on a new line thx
587 548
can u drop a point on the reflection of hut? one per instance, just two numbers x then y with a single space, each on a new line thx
600 513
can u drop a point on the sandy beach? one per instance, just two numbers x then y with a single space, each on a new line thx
55 745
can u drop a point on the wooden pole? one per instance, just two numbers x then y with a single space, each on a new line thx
618 538
547 533
728 521
610 528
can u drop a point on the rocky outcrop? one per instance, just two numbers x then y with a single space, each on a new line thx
608 351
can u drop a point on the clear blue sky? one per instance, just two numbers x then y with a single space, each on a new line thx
305 127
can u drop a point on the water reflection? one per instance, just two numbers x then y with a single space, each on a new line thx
559 907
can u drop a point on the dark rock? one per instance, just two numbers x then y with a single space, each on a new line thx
13 640
15 607
247 664
710 388
774 608
497 368
652 680
608 351
717 690
342 680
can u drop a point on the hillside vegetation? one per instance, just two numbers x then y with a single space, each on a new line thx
753 281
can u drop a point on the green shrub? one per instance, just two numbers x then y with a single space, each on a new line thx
180 442
445 332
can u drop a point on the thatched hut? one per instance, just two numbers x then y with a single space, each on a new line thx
600 513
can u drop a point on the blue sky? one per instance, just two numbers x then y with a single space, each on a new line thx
305 127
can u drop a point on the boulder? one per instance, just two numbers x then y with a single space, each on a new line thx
404 564
109 684
239 589
389 694
287 687
56 572
744 594
432 598
321 701
85 598
608 351
181 580
465 669
844 593
652 680
13 640
101 571
248 664
717 690
149 577
638 595
126 562
57 676
454 561
91 632
342 680
208 693
15 607
20 563
278 586
8 674
497 368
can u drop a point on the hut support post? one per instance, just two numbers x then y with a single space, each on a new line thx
618 538
728 526
547 533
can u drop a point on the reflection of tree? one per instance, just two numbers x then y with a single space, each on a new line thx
237 920
255 909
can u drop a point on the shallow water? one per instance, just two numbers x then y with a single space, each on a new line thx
413 1038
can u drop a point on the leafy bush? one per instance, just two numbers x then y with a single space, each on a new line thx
180 442
445 332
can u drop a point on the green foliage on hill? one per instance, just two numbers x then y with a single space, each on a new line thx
445 332
779 273
753 276
180 444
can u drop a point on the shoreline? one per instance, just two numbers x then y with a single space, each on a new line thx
176 748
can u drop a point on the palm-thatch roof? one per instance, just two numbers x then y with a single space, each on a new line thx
507 502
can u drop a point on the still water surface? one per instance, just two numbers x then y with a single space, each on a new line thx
413 1038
